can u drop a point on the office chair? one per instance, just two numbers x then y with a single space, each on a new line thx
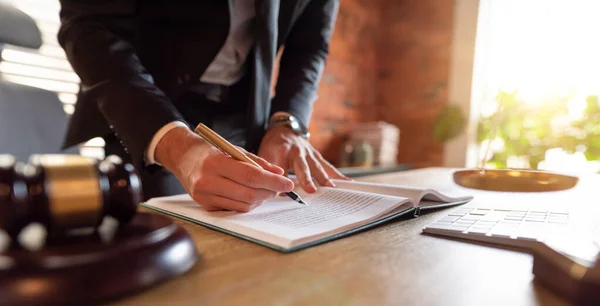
32 120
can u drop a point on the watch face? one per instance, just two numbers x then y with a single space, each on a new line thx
295 125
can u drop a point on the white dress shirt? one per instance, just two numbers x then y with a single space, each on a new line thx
227 67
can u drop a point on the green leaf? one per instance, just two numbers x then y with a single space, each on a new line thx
527 129
483 131
594 141
449 123
534 160
591 155
592 105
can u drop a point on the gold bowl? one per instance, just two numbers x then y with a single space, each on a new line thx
514 180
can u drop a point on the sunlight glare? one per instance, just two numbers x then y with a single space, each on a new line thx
543 47
560 161
576 107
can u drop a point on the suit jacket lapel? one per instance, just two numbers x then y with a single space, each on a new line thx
267 12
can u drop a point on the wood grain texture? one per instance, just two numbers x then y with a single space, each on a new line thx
393 264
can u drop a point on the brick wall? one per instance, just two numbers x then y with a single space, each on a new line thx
389 60
414 70
348 89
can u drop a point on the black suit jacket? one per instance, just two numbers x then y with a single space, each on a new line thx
135 56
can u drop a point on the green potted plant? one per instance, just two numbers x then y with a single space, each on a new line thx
527 130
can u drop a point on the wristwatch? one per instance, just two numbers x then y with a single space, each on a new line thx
290 122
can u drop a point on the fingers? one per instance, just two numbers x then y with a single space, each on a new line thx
238 192
277 158
222 193
314 164
251 176
303 174
319 172
265 164
211 202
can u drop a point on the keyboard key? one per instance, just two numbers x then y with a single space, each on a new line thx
535 220
508 221
513 219
487 222
449 218
460 222
533 212
463 210
491 218
538 211
477 231
480 229
535 217
438 226
458 227
527 236
502 234
470 218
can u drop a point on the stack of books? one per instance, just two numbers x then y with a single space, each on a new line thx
383 137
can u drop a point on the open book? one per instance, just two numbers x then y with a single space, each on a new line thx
285 225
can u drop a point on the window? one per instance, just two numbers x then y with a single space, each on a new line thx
544 51
47 67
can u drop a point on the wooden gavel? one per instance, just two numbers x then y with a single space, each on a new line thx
65 192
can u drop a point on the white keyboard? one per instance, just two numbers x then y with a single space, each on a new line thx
502 226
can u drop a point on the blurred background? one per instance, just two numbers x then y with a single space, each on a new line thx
418 83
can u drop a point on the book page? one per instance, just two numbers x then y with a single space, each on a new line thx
329 209
426 196
281 221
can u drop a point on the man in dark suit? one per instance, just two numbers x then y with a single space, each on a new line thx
152 70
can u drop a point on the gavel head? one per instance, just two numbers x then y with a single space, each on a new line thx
64 192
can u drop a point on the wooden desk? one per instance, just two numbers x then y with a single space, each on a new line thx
393 264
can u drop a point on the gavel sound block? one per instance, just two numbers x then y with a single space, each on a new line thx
70 197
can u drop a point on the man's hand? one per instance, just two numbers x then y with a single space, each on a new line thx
288 150
214 180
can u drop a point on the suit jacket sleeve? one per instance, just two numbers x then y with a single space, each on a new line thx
303 59
97 37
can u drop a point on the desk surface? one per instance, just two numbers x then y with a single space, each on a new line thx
393 264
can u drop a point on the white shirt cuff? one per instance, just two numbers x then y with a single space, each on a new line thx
150 158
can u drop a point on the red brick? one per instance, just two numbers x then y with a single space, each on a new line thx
389 60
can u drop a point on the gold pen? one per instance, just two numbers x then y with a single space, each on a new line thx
222 144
